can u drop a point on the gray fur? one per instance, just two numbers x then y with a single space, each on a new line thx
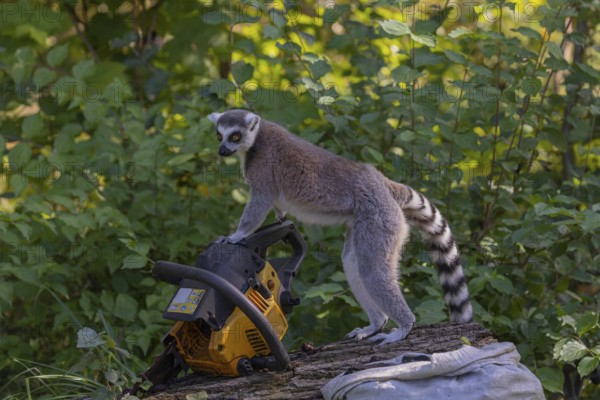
289 174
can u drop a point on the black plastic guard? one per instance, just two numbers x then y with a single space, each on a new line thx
233 262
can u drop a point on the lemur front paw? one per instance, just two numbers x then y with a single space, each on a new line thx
234 238
223 240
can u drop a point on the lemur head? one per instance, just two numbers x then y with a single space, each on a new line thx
236 130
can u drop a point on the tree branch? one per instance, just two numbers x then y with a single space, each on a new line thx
312 368
80 33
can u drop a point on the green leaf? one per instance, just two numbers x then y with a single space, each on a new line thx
555 50
61 200
278 18
57 55
134 261
339 42
586 323
530 86
431 311
142 249
404 73
242 71
33 126
131 244
481 70
369 118
125 40
564 264
587 365
216 18
20 154
573 350
458 32
502 284
109 73
528 32
319 68
558 346
589 70
84 69
24 229
94 111
6 289
311 84
43 76
222 87
552 379
333 11
88 338
17 182
271 32
466 141
326 100
556 64
125 307
395 28
180 159
65 89
26 56
246 46
427 39
86 361
157 82
372 155
455 57
591 221
112 376
289 47
407 136
322 290
307 37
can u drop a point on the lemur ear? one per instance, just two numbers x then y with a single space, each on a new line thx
214 117
252 121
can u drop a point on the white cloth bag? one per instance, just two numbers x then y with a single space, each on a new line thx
469 373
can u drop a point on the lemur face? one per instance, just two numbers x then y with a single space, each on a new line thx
236 130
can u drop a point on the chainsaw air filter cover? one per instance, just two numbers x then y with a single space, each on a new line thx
194 300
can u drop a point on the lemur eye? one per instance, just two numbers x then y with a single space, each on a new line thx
235 137
219 137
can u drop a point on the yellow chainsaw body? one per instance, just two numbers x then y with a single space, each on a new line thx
219 352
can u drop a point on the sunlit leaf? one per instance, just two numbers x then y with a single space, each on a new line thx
395 28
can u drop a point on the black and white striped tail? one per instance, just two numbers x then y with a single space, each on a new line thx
423 215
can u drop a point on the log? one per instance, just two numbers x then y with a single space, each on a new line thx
311 368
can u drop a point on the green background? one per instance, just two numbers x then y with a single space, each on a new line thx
109 162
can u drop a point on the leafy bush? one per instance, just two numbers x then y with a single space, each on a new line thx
108 163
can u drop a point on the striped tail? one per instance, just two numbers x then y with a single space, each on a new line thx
434 229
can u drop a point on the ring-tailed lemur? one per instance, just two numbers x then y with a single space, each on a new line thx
289 174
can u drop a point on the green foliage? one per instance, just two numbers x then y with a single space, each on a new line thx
109 162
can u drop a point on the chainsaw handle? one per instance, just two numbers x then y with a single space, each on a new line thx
266 236
174 273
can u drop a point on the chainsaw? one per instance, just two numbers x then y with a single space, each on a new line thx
229 308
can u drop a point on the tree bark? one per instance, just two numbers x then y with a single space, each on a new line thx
312 368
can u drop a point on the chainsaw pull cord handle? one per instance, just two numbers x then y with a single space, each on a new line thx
172 272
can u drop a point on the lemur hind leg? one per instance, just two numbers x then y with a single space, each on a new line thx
378 239
377 319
